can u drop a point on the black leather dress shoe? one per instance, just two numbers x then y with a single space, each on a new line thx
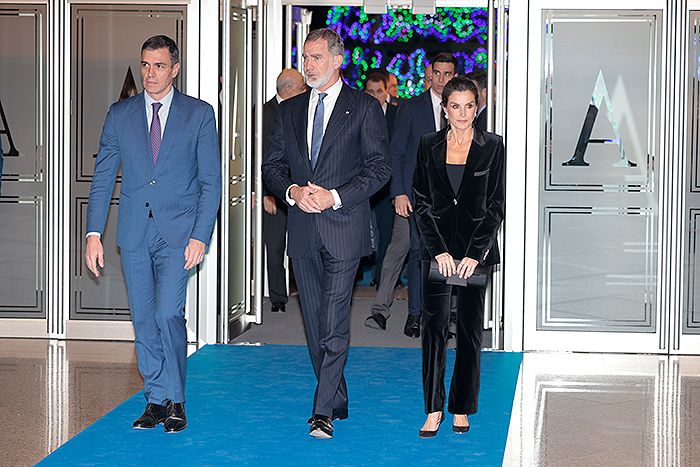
152 416
321 427
412 327
176 419
431 433
279 306
376 322
338 414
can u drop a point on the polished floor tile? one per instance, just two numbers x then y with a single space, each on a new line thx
51 390
605 410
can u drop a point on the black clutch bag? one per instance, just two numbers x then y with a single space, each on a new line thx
478 279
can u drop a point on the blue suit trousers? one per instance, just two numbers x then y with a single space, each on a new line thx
156 282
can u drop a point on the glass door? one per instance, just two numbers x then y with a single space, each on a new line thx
23 201
686 335
237 253
597 199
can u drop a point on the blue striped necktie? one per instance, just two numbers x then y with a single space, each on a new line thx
317 131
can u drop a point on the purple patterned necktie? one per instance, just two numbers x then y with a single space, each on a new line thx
155 131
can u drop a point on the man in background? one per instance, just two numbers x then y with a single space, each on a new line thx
377 86
479 78
289 84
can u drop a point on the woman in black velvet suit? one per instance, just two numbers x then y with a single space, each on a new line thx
459 195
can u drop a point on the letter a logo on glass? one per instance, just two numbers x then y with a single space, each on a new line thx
600 96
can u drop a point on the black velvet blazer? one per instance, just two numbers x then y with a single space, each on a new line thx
465 223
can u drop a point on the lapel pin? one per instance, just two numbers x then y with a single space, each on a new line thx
347 112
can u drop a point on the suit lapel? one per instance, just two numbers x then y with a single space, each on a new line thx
439 150
338 121
140 128
475 152
172 127
301 119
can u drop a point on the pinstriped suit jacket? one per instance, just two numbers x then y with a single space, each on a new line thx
353 159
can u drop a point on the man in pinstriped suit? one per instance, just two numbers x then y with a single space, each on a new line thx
328 154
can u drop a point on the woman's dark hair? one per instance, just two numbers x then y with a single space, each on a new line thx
163 42
459 84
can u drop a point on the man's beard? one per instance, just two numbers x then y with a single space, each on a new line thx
320 81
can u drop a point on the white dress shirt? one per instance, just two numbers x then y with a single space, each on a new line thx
162 113
329 101
437 108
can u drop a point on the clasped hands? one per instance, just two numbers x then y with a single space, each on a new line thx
447 266
312 198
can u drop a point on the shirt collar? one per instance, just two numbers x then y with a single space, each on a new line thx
437 100
278 98
165 101
333 92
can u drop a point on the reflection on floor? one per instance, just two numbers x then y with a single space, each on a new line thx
605 410
51 390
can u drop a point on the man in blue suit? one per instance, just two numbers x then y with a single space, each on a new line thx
166 144
328 154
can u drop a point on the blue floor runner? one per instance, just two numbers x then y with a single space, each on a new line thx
249 405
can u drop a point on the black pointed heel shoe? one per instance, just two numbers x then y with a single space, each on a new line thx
460 429
431 433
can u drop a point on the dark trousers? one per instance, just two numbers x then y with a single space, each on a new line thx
156 283
413 269
384 214
464 389
325 290
275 238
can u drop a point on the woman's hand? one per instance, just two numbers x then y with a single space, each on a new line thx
446 264
466 267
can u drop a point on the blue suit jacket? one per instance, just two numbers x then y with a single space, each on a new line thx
182 190
414 119
353 159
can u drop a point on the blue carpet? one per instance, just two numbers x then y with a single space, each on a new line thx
249 405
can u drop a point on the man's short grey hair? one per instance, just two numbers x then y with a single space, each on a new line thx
335 43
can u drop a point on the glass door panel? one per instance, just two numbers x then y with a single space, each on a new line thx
594 124
23 135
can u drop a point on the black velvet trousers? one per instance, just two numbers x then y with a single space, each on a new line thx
464 389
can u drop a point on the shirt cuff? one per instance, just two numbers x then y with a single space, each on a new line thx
290 201
336 197
93 234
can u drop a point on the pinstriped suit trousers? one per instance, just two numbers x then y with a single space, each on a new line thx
325 290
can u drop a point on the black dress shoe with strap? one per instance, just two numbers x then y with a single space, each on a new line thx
152 416
321 427
176 419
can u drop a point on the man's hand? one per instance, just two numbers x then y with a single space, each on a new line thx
194 253
302 197
270 205
94 254
323 198
402 205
